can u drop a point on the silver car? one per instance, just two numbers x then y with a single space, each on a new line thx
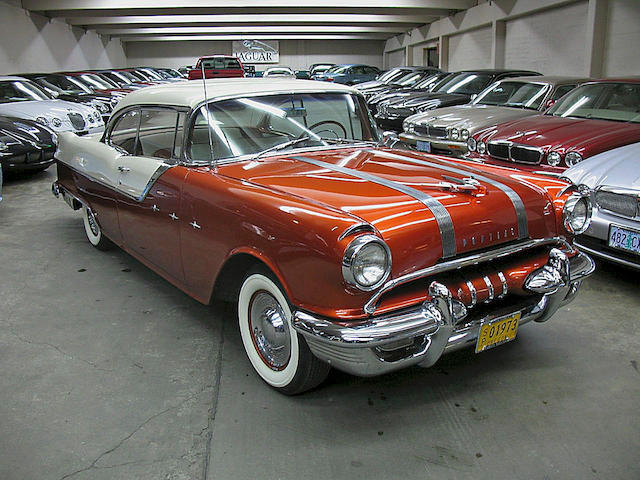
25 99
446 130
614 233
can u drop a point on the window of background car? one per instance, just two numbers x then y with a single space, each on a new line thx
157 133
221 63
514 94
561 91
464 83
124 133
603 101
245 126
21 91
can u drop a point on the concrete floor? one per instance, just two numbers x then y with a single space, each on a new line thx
109 372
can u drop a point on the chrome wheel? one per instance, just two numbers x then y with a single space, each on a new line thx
269 330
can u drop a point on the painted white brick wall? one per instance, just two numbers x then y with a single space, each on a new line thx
621 55
470 50
395 59
551 42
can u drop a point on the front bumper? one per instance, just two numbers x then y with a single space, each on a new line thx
27 159
529 167
438 145
421 335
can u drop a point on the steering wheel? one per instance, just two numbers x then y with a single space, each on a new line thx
329 122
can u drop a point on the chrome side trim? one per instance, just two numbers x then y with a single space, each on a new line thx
487 282
357 228
473 259
505 287
157 174
445 224
518 204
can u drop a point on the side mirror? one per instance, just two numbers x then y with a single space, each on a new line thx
551 103
390 138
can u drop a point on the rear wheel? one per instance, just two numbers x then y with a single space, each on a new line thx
278 354
93 231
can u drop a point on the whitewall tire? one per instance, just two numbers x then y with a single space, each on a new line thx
93 231
277 353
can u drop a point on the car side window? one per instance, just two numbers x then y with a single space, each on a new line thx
124 133
561 91
157 133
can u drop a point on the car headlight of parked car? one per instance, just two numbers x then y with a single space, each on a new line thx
472 144
572 158
102 107
482 148
554 159
409 127
366 263
454 134
576 214
464 134
42 120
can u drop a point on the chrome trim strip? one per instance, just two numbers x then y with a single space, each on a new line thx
358 227
473 292
156 175
505 287
487 282
518 204
473 259
445 224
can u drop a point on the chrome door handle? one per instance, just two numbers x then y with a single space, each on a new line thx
124 169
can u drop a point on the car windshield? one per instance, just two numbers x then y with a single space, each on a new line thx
514 94
95 82
602 101
392 76
64 84
127 76
21 91
279 71
408 79
431 81
154 75
339 69
465 83
170 73
251 125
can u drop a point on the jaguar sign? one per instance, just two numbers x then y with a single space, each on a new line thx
256 51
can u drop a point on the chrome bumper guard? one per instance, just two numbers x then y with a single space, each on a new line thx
421 335
71 200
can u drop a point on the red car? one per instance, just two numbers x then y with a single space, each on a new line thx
217 66
595 117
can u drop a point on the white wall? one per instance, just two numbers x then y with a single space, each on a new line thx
395 59
33 43
621 56
470 50
297 54
551 42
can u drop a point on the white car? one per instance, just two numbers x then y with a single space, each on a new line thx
25 99
279 72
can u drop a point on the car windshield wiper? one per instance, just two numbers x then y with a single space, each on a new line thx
347 140
282 146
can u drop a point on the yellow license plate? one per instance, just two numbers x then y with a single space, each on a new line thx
499 331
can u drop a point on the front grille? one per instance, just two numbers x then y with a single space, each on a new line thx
34 157
429 131
499 151
515 153
525 155
626 205
76 120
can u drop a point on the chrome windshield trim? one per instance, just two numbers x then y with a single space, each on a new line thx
518 204
473 259
441 214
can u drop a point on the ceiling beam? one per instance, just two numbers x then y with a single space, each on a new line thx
182 38
250 30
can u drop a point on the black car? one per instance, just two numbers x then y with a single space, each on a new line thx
404 76
64 87
392 92
457 89
25 145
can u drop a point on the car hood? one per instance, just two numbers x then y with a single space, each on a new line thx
38 108
586 136
405 223
470 117
617 167
368 85
428 101
25 131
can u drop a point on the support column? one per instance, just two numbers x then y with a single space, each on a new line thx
408 55
596 31
443 52
499 35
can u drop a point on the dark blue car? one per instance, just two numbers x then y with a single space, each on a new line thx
350 74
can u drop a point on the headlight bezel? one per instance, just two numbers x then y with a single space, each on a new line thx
481 147
472 143
42 120
464 135
571 163
570 207
554 159
454 134
357 246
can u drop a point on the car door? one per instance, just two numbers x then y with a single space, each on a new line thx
150 184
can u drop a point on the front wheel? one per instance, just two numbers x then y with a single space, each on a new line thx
93 231
277 353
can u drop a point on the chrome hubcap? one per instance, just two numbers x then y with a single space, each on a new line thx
269 330
92 223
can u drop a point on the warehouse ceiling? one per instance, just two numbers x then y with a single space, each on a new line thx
178 20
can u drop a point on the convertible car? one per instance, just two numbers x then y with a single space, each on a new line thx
339 251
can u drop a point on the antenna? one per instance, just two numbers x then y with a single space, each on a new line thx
206 107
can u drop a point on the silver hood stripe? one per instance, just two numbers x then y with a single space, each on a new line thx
518 204
445 224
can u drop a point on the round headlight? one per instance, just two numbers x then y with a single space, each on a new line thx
576 214
454 134
554 159
471 144
572 158
56 122
42 120
366 263
482 148
464 134
409 127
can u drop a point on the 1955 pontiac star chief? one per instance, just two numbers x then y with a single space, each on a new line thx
339 251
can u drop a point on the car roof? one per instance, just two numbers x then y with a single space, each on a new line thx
11 78
190 94
631 79
553 79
